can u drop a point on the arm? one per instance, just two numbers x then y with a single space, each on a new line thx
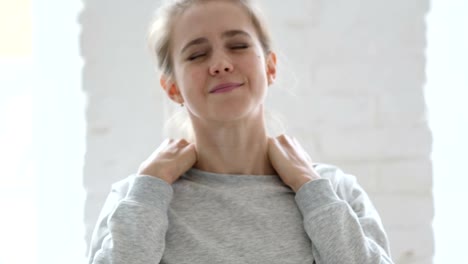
343 225
133 224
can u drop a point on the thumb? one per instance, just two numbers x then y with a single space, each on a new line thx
188 157
275 152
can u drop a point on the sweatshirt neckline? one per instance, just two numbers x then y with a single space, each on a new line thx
205 173
200 175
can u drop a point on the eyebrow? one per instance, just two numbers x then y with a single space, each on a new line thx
226 34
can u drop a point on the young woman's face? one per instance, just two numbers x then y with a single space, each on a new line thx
220 67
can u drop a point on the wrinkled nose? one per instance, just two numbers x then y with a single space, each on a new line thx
222 65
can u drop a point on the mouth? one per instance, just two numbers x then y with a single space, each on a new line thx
225 87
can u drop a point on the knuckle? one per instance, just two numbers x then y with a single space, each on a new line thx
182 143
281 138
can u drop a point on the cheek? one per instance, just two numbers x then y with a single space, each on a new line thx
189 74
192 81
256 65
195 76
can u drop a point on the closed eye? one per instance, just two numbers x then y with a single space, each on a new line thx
239 46
196 56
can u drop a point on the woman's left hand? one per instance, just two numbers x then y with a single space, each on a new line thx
291 162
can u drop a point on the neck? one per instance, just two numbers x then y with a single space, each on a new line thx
240 147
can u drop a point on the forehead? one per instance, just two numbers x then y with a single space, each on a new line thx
210 19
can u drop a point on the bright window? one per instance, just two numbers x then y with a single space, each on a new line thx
42 135
447 98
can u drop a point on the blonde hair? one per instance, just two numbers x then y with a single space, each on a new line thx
159 42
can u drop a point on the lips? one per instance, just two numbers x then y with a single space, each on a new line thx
225 87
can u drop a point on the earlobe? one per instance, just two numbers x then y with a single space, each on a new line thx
171 89
271 67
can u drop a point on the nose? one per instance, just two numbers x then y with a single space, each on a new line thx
221 64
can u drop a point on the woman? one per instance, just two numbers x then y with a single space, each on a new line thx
233 195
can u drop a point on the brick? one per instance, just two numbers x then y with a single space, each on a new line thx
375 144
409 176
294 111
401 108
365 172
298 12
345 111
346 78
422 260
397 12
369 75
411 245
404 210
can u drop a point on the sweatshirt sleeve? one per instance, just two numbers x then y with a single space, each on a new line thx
133 223
342 223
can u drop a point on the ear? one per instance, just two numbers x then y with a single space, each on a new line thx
171 89
271 67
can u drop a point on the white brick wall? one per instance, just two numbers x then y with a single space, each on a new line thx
350 87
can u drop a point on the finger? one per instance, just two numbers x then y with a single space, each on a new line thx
275 145
288 141
176 146
188 157
190 151
182 143
283 139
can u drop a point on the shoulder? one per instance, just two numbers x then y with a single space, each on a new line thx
342 182
117 193
119 189
122 186
335 174
142 189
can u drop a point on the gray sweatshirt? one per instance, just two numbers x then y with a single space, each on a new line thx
217 218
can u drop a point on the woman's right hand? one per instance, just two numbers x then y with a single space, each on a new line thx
170 160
